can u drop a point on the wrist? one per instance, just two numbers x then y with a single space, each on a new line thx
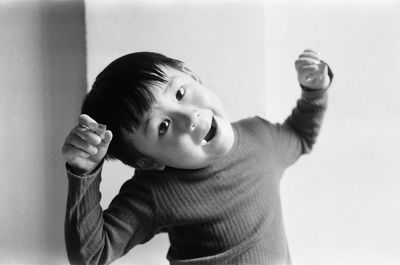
81 171
76 171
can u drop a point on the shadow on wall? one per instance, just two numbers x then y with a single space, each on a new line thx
63 58
43 82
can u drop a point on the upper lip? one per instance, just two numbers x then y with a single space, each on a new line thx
208 127
211 132
204 128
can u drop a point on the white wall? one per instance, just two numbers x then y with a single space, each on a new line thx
222 41
341 203
42 81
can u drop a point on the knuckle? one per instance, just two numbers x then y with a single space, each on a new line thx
92 150
72 139
68 139
94 139
81 153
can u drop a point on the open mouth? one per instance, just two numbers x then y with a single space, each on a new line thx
211 133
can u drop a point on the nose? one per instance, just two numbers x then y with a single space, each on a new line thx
187 118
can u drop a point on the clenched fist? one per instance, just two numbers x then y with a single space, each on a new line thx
84 148
311 71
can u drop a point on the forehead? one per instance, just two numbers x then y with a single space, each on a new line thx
172 75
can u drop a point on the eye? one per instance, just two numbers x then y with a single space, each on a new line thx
162 129
180 94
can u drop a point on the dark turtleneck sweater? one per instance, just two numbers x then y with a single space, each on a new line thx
226 213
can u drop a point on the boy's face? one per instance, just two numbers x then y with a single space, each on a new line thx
187 126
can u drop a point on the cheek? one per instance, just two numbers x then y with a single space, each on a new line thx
200 96
187 150
176 145
183 143
211 100
180 155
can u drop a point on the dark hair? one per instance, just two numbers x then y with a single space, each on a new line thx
120 98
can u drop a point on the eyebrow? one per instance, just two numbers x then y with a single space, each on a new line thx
146 127
169 85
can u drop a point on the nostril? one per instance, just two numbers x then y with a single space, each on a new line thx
194 119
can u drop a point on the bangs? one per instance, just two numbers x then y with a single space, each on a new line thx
123 101
121 96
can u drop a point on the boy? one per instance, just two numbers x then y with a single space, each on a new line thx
211 185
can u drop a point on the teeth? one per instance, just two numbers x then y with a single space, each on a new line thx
203 142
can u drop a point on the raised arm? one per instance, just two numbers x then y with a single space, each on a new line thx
94 236
301 128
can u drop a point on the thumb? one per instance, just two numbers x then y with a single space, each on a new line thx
105 142
107 137
102 147
325 69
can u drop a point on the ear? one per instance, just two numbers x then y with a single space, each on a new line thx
148 164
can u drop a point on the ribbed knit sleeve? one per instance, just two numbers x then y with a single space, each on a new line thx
299 132
94 236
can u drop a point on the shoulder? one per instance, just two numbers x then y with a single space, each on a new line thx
254 125
143 182
252 121
155 181
263 131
